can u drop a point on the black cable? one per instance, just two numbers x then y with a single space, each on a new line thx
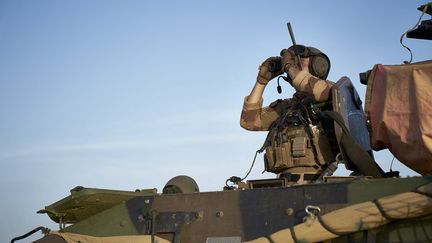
327 227
43 229
391 164
252 165
269 239
404 34
279 87
236 179
293 235
382 211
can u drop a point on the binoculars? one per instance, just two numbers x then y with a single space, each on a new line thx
275 66
319 63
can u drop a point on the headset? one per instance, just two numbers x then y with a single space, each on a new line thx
319 63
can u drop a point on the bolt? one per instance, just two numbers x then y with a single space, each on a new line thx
200 215
140 218
220 214
289 211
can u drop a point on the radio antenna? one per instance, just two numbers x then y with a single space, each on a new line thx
297 56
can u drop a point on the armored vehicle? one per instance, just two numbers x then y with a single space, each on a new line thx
370 207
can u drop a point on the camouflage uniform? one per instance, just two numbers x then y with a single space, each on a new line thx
254 117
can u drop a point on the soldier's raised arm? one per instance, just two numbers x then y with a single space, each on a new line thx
302 80
254 117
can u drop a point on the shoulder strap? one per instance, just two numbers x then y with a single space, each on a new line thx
352 151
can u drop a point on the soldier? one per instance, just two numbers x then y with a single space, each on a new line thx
297 146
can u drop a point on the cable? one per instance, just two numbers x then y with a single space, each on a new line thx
279 87
391 164
404 34
236 179
43 229
252 165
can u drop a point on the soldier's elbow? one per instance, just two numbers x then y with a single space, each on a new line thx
249 126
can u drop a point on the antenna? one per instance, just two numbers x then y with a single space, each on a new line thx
297 56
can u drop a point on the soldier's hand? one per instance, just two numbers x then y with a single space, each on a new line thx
266 70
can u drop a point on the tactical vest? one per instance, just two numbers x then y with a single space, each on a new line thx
299 138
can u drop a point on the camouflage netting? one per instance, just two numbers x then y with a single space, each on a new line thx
78 238
357 217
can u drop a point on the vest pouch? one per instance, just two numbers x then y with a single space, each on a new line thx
299 147
288 159
278 158
269 159
283 158
301 152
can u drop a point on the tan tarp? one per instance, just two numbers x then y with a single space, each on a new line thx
358 217
78 238
399 107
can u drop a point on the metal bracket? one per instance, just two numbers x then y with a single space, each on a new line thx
149 221
312 212
173 222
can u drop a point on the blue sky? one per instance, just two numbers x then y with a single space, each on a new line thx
127 94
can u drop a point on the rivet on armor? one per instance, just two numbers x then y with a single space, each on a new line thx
220 214
289 211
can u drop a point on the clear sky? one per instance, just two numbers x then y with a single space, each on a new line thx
127 94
